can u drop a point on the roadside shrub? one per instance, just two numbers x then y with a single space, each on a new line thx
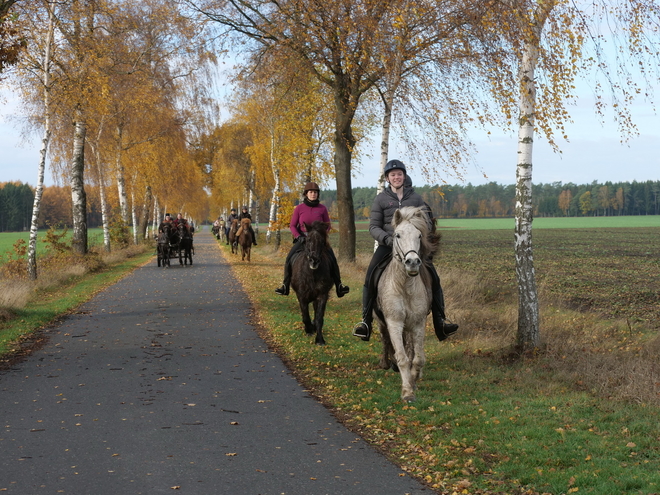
119 233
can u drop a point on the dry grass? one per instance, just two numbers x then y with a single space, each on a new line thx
16 290
608 357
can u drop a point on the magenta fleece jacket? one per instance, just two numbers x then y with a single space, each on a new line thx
303 214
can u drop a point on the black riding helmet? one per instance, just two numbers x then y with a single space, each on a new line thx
394 165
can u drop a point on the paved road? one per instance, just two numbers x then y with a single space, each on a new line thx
160 385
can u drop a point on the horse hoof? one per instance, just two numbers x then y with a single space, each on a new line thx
409 398
322 342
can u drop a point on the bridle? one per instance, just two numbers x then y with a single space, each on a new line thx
398 251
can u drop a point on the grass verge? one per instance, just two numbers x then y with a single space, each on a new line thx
564 421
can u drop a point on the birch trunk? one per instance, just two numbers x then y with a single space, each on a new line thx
121 180
157 216
38 194
134 219
78 195
105 220
528 337
274 207
144 217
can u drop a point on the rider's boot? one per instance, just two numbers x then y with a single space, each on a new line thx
342 290
283 290
443 330
363 329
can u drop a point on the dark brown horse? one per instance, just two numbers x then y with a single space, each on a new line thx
245 238
186 243
312 277
163 248
233 228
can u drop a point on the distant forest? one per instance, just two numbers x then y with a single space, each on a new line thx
460 201
494 200
17 200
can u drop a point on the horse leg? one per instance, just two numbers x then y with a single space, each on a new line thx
402 360
319 313
249 250
387 356
417 347
307 321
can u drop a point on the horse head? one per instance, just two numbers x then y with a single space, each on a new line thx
316 243
410 243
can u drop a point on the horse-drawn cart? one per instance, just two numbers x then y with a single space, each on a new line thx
175 242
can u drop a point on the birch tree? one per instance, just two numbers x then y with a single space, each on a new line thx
546 44
45 73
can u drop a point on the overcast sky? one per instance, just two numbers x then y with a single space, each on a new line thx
594 153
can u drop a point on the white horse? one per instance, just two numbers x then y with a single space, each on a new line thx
404 298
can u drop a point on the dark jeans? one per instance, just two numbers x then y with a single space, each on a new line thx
369 291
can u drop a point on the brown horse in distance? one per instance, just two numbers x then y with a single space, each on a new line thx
233 228
245 238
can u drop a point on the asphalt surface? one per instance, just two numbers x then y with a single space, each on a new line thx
160 385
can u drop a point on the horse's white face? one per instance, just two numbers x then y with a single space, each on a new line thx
406 245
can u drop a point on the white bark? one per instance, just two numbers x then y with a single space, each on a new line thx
274 207
105 220
38 194
121 181
77 181
528 337
134 219
104 203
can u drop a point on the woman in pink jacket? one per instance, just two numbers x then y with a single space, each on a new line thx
308 212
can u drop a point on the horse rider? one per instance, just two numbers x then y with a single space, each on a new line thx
397 195
307 212
179 219
232 216
167 219
245 214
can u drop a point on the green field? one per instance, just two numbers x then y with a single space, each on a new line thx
8 239
542 223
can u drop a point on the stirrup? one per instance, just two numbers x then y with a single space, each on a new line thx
283 290
342 290
362 330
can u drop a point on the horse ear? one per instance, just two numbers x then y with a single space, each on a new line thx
396 219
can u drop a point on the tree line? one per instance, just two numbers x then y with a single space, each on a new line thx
495 200
490 200
17 199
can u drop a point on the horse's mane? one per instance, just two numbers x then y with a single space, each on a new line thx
320 227
418 216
